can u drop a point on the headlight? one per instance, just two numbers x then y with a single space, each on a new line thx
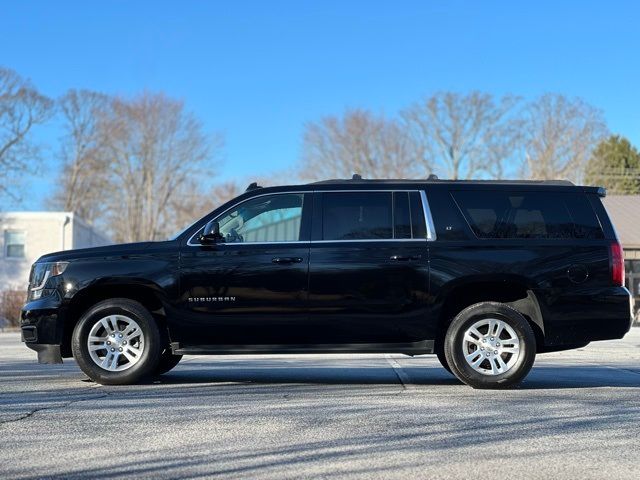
40 273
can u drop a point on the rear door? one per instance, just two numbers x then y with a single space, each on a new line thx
368 267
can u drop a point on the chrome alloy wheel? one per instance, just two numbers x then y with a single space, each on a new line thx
490 346
116 343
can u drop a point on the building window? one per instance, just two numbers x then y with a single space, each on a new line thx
14 244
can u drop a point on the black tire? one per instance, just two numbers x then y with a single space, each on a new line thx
443 359
167 362
453 345
150 355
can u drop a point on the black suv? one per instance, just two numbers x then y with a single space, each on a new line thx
485 274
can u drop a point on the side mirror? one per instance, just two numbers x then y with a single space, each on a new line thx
211 233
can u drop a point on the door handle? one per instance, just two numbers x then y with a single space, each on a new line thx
404 258
285 260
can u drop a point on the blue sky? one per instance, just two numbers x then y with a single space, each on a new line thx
257 71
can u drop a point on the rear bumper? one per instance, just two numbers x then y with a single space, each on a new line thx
586 316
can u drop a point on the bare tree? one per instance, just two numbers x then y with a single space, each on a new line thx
21 108
156 150
194 201
358 142
84 171
464 136
225 191
190 206
11 302
560 135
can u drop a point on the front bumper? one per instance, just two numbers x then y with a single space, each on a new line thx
42 323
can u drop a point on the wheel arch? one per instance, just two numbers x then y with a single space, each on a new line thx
147 295
510 290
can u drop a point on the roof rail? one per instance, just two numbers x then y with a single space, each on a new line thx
434 178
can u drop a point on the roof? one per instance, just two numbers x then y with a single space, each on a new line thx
624 211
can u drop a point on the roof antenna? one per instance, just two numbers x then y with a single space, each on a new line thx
356 177
252 186
432 176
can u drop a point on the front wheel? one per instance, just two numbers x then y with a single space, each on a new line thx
116 342
490 345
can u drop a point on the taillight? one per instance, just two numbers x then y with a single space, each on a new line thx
617 264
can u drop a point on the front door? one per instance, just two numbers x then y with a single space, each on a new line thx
250 288
368 273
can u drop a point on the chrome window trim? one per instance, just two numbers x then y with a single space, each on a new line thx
431 233
371 240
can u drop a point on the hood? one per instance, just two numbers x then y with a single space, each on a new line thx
103 251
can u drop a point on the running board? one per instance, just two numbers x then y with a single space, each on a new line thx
415 348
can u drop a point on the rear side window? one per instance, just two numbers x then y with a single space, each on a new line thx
418 225
401 215
373 216
495 214
357 216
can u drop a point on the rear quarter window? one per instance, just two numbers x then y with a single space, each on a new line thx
526 214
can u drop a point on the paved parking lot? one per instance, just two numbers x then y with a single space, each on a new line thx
576 415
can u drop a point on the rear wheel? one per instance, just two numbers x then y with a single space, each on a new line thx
490 345
116 342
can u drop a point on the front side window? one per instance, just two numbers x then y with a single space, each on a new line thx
14 244
269 218
357 216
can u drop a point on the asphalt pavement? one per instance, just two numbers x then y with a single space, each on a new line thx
577 415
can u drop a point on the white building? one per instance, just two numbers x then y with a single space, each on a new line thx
25 236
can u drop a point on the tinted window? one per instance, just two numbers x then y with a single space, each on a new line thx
585 222
401 215
357 216
448 221
271 218
418 225
525 215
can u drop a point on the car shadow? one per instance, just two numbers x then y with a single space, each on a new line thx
541 377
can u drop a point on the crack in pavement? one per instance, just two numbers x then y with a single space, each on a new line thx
32 412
